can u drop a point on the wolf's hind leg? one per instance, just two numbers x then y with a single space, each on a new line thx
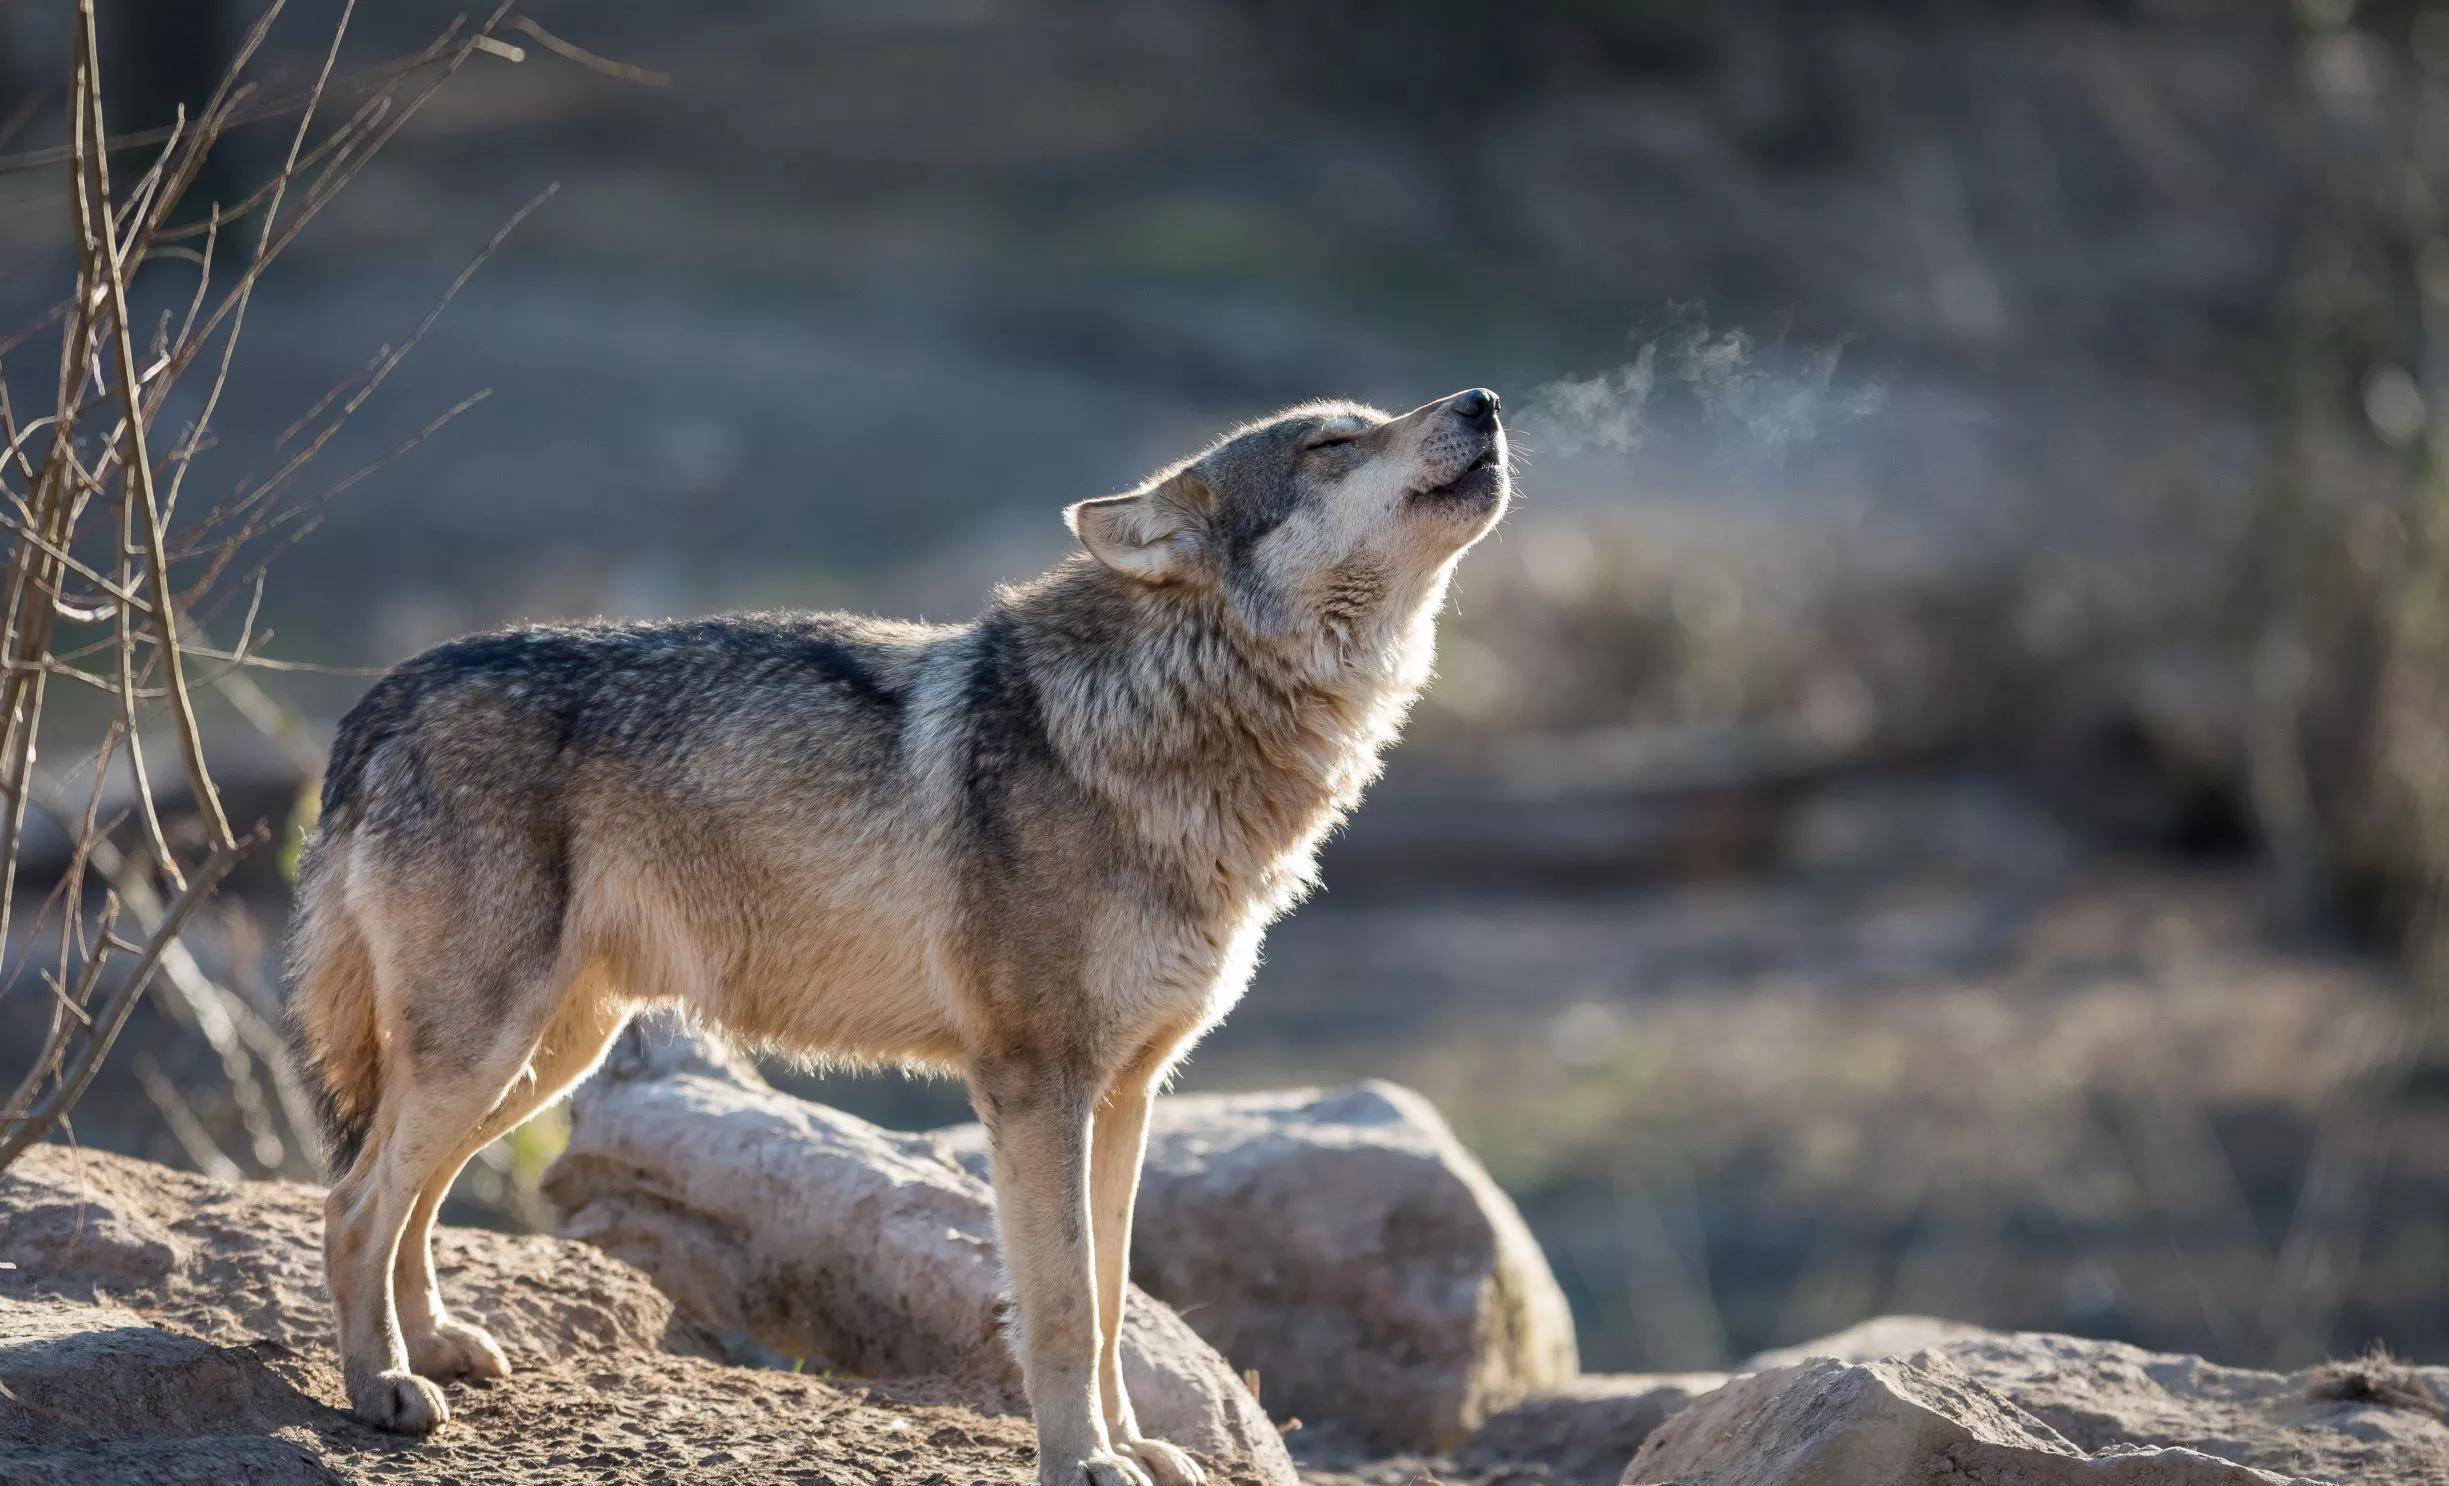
440 1345
424 1121
462 1001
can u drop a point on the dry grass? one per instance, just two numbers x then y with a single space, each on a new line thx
2376 1377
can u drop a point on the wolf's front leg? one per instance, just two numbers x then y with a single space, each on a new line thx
1116 1150
1038 1113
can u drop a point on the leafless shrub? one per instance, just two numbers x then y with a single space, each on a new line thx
111 578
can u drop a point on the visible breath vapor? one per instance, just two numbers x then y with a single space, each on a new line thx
1762 401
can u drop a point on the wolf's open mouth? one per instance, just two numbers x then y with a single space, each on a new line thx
1478 479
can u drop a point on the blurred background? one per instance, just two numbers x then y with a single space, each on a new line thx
1935 799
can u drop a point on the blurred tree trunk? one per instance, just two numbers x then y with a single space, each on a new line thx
2351 666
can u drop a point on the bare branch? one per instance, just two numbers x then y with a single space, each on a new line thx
139 491
571 52
57 608
43 1113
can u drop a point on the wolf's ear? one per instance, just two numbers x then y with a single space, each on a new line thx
1157 535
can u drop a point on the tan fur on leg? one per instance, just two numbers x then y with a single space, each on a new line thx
1038 1114
1116 1148
363 1221
440 1346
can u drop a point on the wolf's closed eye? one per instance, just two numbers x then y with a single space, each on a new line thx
1332 441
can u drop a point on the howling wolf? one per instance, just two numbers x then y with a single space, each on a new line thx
1037 850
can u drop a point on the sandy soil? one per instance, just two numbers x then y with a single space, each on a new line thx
161 1327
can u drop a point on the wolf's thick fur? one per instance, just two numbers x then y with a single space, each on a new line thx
1037 850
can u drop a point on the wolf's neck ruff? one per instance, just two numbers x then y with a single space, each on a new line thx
1235 749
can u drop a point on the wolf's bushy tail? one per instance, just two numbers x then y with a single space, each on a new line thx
332 1037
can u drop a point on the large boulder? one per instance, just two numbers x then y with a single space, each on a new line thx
1897 1421
800 1231
1344 1246
2054 1408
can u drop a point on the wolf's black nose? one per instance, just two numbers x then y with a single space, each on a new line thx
1475 406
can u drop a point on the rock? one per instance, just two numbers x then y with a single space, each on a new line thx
2341 1421
814 1235
56 1359
2369 1420
1345 1246
1918 1419
1582 1432
92 1238
60 1362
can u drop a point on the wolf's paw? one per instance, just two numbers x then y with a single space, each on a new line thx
1091 1470
455 1349
1165 1464
401 1402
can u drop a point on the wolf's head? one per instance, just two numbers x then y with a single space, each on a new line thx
1329 516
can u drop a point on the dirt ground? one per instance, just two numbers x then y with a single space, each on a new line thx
157 1327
